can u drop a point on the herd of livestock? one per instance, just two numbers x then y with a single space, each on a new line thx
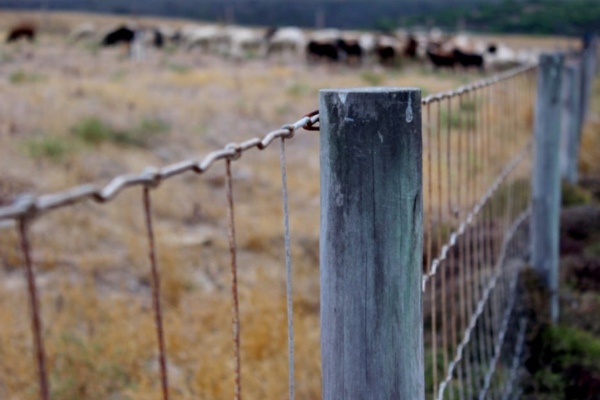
317 46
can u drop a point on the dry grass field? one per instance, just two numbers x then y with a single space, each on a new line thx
77 113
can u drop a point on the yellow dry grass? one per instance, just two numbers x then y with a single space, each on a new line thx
91 260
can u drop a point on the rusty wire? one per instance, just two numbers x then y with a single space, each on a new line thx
235 320
34 206
475 280
288 268
34 307
158 322
473 230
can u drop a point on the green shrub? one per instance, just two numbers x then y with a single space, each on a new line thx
51 148
573 195
92 130
554 353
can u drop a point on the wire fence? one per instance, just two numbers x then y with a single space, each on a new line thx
477 167
477 145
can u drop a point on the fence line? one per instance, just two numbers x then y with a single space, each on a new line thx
477 170
486 152
26 208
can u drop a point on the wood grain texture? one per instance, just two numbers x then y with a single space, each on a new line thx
571 134
546 174
588 71
371 244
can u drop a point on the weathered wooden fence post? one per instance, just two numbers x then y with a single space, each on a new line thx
371 244
588 72
546 175
571 134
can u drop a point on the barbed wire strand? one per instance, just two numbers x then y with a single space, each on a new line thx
34 307
156 297
288 267
235 320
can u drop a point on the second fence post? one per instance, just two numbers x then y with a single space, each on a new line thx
371 244
545 224
571 135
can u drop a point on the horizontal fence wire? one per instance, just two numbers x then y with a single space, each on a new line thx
28 206
477 166
477 144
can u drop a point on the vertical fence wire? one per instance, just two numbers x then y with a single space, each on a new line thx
475 214
288 268
450 211
235 321
34 306
156 298
476 211
429 255
440 232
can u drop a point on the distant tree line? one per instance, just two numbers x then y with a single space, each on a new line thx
572 17
566 17
345 14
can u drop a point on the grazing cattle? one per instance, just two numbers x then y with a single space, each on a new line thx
387 49
289 40
386 54
85 30
317 51
207 38
158 38
502 58
243 41
410 50
119 35
24 30
468 60
137 46
326 35
441 60
368 44
351 50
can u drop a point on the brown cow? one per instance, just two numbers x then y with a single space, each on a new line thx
23 30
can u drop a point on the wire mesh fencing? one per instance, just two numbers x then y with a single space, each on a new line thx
26 209
477 168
